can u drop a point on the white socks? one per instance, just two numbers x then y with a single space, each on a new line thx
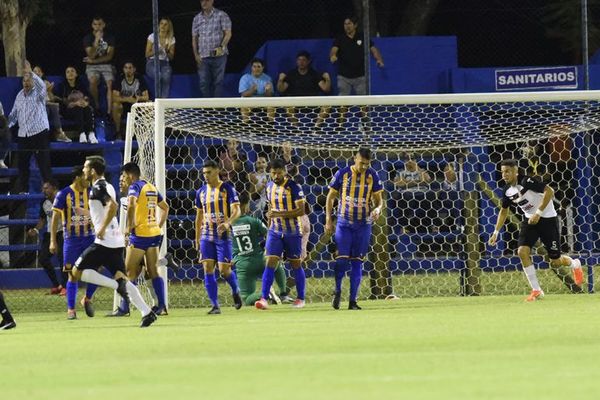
137 300
532 277
91 276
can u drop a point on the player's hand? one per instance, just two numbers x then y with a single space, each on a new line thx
493 239
333 59
52 247
100 234
375 214
534 219
223 227
329 228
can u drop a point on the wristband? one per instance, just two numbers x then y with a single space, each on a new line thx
539 212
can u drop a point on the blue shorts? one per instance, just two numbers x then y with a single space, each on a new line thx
284 244
353 240
219 251
74 247
144 243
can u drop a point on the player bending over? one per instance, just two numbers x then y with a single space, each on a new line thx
217 208
359 193
534 198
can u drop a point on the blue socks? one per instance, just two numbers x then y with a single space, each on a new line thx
71 294
232 280
341 266
355 278
300 282
210 282
267 281
158 284
90 289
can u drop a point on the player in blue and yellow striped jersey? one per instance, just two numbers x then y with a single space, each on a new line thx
217 207
284 238
360 202
72 206
144 227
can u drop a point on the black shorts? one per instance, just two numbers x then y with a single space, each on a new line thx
96 256
547 231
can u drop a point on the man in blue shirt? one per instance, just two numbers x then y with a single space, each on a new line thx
29 112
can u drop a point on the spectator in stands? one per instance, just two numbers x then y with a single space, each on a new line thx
99 49
75 105
166 52
4 138
128 90
304 81
292 161
49 189
347 51
258 195
256 84
450 181
29 112
412 184
232 162
211 32
52 108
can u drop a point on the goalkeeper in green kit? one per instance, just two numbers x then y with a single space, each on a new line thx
249 256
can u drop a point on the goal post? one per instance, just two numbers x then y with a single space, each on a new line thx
432 240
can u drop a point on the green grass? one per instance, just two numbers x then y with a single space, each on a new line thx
420 348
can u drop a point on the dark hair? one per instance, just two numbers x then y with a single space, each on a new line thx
258 60
210 164
352 18
52 182
76 172
365 153
98 18
244 198
97 163
277 164
509 163
128 61
131 168
303 53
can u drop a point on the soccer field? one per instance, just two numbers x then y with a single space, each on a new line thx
429 348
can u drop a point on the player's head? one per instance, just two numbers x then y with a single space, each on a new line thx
510 171
350 25
362 159
98 23
244 198
210 170
278 171
261 164
303 60
94 167
130 173
78 177
49 188
258 66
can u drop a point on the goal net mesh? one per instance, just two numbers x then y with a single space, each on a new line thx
442 187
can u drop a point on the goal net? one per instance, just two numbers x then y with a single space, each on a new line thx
438 157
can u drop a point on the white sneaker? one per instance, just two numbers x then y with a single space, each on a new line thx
273 297
2 165
92 138
61 137
82 137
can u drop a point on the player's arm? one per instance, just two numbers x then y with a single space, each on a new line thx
164 214
131 208
56 216
377 198
499 224
331 197
110 214
548 195
234 214
293 213
198 225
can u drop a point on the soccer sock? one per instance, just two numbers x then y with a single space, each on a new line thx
300 282
570 261
136 299
91 276
341 265
532 277
71 294
4 310
210 282
90 290
124 305
232 281
267 281
355 278
159 288
280 279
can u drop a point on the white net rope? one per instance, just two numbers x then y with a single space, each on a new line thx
439 164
